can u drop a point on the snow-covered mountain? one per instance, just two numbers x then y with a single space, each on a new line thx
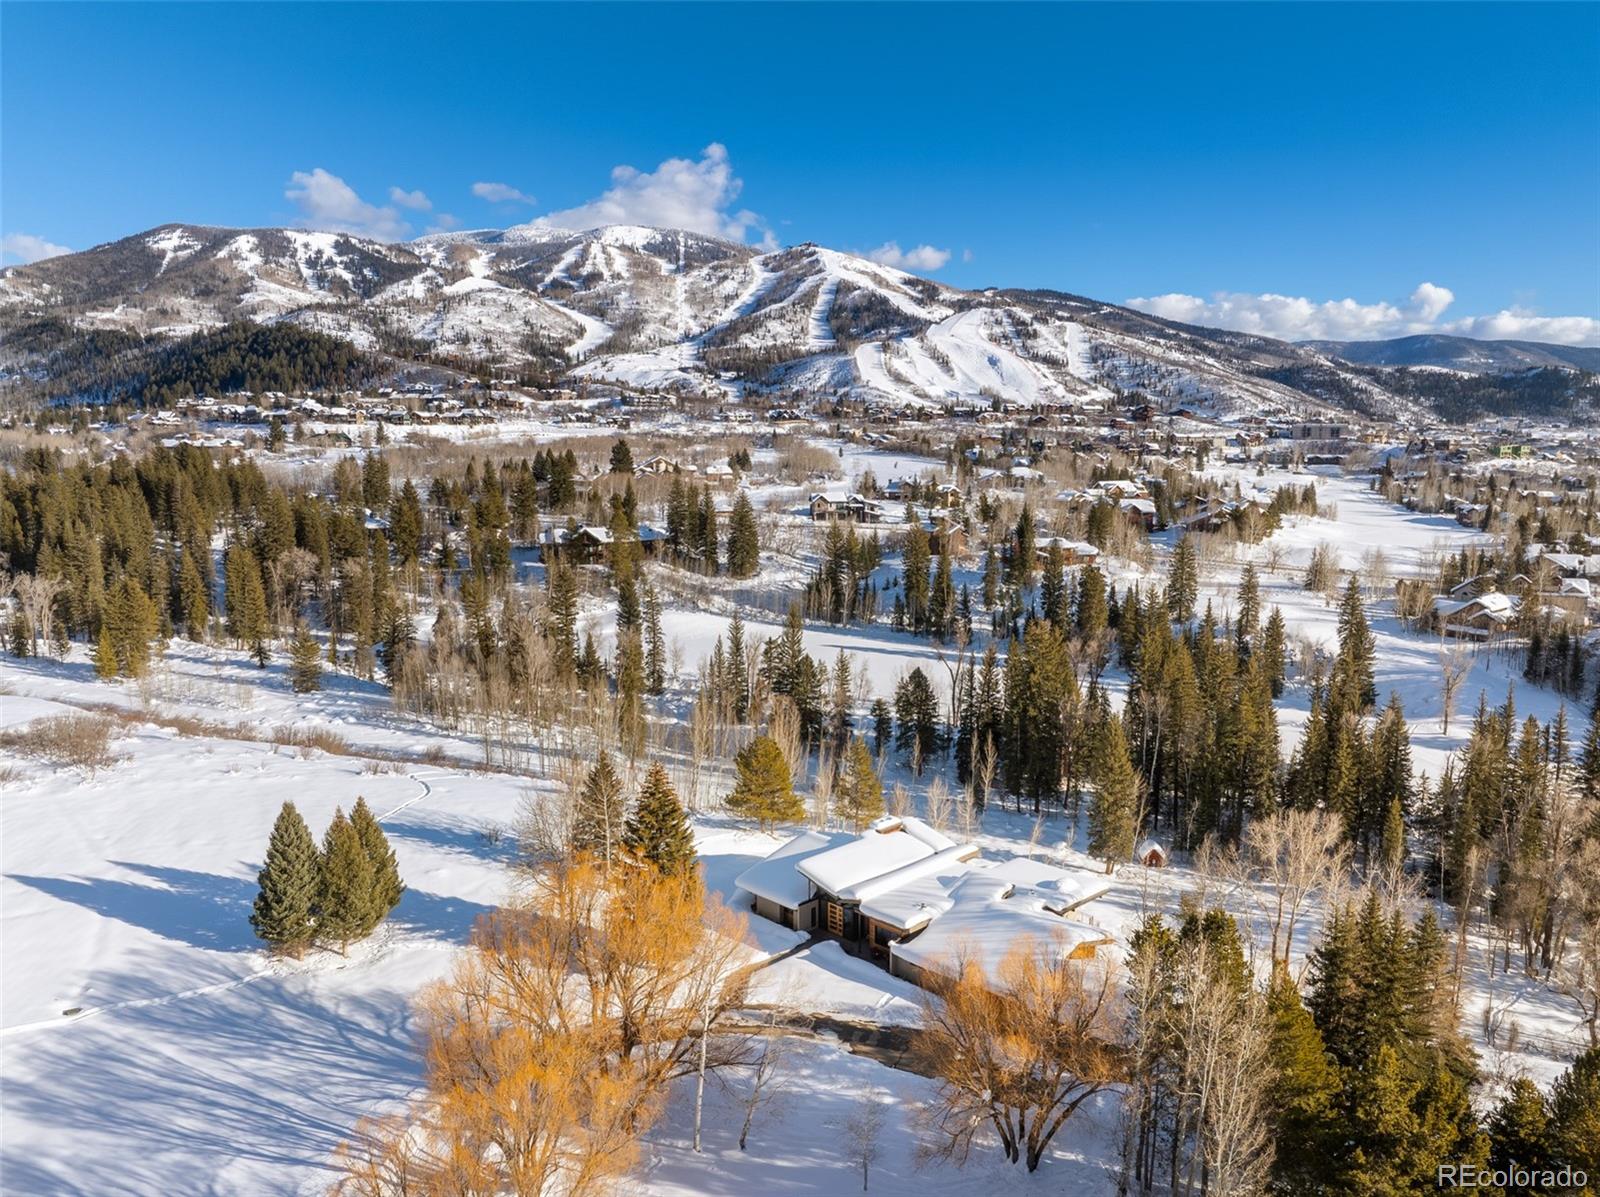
658 308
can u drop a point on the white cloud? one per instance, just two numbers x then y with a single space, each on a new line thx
1293 318
966 255
919 257
25 248
327 202
417 201
1519 324
443 222
501 193
681 193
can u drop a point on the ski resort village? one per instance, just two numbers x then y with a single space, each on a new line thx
623 711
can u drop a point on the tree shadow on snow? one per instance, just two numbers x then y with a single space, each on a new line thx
203 910
438 916
258 1078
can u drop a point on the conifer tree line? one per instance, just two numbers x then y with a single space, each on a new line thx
332 895
1357 1081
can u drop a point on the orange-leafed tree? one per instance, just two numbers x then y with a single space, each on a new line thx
1017 1048
552 1044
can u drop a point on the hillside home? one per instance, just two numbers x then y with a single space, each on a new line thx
890 887
1073 552
590 542
1483 618
854 508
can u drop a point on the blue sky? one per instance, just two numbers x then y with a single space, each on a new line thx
1255 165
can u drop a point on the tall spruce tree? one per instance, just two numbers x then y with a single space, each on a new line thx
289 881
744 543
246 601
1113 811
1183 582
658 829
346 899
387 888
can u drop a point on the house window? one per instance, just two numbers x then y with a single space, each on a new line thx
835 919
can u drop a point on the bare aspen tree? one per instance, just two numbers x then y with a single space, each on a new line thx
863 1132
1454 665
1289 858
938 803
899 801
764 1073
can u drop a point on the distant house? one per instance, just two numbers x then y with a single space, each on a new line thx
1143 510
1073 552
658 465
590 542
1482 618
946 535
907 896
855 508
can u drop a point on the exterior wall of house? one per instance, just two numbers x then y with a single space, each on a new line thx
801 918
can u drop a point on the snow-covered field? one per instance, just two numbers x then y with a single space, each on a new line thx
149 1047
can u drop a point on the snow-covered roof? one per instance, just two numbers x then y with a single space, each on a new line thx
913 894
990 914
1147 846
776 878
1081 548
888 845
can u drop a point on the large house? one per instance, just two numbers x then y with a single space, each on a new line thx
855 507
590 542
909 897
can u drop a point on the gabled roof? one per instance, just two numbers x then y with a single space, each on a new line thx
776 878
888 845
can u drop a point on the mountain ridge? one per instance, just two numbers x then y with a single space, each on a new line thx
674 309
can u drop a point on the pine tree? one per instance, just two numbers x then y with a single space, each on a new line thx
600 815
387 888
133 623
744 542
246 601
1304 1093
858 794
655 651
1575 1117
882 726
1270 652
1519 1128
561 616
1249 620
1353 686
1183 582
658 829
305 662
347 903
105 654
21 635
1092 614
763 788
1113 812
289 880
631 682
193 596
